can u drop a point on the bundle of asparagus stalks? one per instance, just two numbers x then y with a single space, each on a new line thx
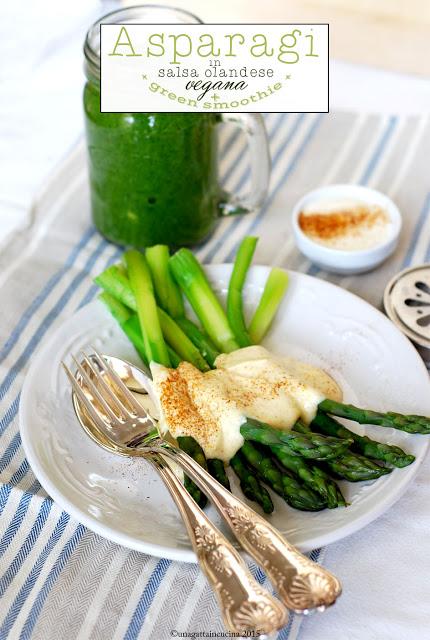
145 296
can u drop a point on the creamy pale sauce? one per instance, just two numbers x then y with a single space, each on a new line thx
197 404
247 383
348 225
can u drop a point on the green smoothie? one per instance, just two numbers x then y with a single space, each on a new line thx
153 176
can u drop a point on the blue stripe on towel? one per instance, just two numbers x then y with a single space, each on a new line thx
26 546
288 171
29 583
10 414
235 222
380 147
50 581
49 319
146 599
44 293
18 517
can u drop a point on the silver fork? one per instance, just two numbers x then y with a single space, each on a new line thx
301 583
245 606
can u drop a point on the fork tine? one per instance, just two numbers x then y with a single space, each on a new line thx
98 420
137 407
95 392
115 401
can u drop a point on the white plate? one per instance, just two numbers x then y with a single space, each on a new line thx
124 501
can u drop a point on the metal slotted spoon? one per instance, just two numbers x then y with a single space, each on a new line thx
119 423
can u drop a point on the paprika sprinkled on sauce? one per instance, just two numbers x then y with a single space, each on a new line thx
345 225
247 383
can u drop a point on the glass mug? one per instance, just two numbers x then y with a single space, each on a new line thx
154 176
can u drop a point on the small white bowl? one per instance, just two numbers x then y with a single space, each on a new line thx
341 261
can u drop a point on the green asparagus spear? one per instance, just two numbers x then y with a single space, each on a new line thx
141 284
312 476
167 291
355 468
195 492
217 470
203 343
362 444
117 309
190 276
284 483
333 491
190 446
177 339
274 291
131 328
408 423
264 467
128 322
250 485
115 281
349 466
175 360
310 445
235 287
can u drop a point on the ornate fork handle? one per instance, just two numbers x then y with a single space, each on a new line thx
245 605
301 583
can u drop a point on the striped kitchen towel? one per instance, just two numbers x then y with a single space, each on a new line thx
59 580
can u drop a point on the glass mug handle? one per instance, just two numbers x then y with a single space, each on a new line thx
253 125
